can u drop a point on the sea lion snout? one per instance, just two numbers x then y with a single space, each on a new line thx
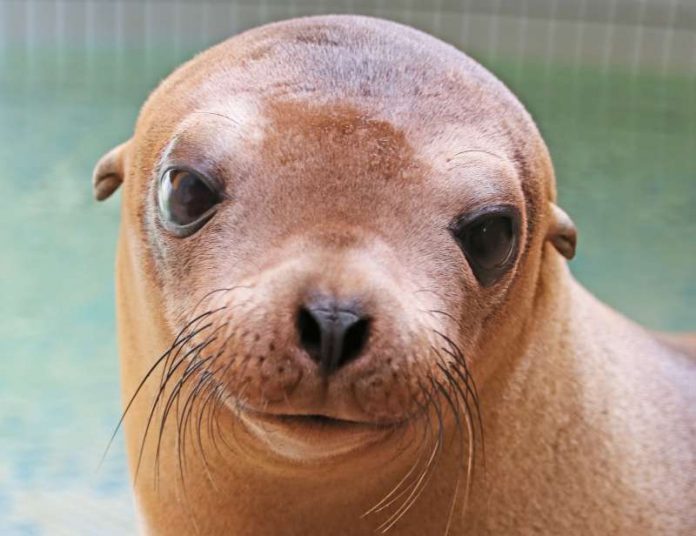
320 334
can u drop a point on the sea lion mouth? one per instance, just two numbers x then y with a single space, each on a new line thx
316 420
320 421
313 436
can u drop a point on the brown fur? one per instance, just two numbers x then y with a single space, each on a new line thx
346 146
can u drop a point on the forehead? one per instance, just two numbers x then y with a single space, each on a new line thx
353 94
376 65
342 143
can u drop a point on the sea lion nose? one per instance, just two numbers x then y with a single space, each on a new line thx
332 333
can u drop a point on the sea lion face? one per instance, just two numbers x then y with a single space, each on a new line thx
337 225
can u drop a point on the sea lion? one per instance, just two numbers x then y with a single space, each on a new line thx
344 306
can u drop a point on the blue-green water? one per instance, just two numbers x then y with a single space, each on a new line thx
625 151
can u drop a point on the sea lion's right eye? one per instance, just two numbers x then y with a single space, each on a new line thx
186 201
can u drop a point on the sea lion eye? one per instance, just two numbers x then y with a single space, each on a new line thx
186 201
488 241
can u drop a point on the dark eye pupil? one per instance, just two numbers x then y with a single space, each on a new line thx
489 243
185 197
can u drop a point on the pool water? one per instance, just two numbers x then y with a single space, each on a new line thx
624 146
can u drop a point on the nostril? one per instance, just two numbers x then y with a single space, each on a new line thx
354 339
332 334
310 332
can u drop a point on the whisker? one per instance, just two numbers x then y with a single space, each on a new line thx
445 314
390 498
469 384
173 398
154 406
471 441
194 324
457 354
385 502
188 406
424 477
206 378
148 374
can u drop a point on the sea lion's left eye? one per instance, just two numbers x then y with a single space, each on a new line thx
489 241
186 201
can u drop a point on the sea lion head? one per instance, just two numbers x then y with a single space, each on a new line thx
343 219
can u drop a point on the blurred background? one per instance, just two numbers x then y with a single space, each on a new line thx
612 84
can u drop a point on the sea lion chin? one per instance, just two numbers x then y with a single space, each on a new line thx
344 305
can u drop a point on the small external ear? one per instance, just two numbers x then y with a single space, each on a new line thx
108 173
562 233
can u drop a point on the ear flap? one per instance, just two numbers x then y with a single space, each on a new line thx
562 233
108 173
